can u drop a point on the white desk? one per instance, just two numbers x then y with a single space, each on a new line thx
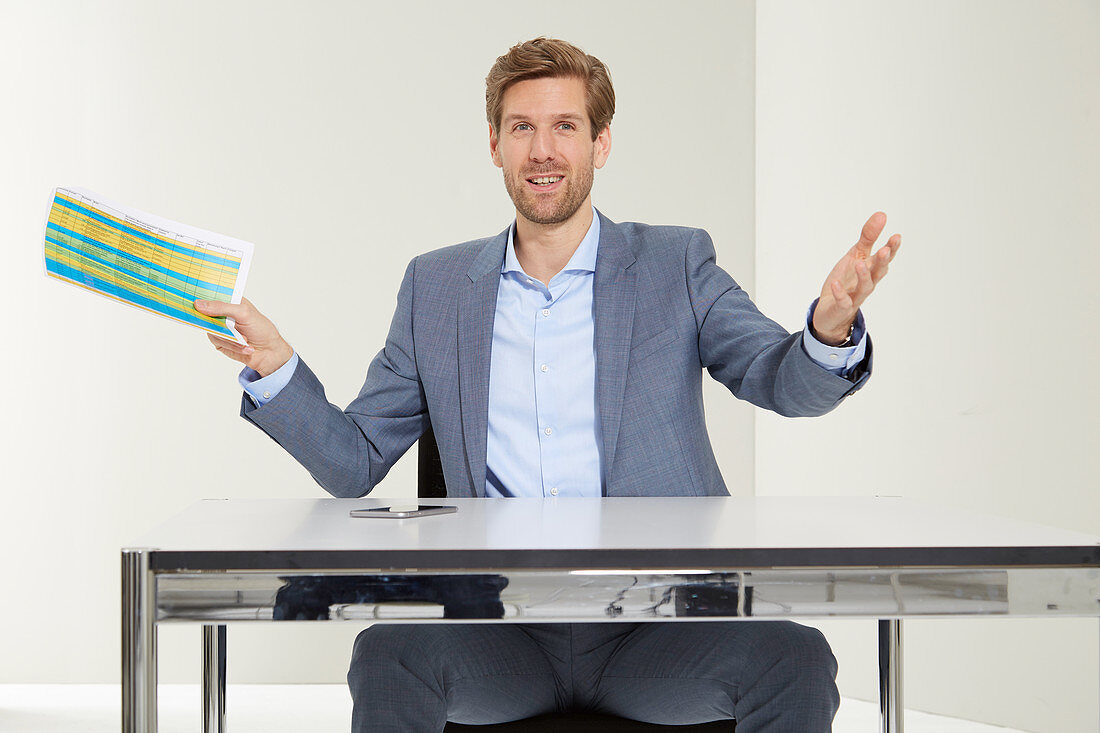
624 559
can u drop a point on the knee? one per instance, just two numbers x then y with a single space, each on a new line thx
802 648
393 682
791 674
811 648
372 645
386 646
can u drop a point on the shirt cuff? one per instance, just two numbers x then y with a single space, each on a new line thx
835 359
264 389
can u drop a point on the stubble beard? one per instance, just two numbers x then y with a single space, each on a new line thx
536 208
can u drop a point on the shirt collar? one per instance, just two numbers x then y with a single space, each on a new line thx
583 259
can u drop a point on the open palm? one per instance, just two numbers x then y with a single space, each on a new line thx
853 279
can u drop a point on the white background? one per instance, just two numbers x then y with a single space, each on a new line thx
974 125
343 138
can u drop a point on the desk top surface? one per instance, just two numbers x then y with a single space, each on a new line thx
607 533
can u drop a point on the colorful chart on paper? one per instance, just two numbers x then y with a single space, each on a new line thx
144 260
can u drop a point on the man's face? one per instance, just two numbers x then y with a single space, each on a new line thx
545 148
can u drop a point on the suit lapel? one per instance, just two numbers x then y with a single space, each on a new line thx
477 304
614 291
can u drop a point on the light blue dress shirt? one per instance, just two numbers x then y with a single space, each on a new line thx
543 434
543 429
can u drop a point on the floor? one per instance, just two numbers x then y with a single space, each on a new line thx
314 708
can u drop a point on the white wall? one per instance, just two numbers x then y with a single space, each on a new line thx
322 130
342 138
974 125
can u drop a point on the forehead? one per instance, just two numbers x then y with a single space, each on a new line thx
541 97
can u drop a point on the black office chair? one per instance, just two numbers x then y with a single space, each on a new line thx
431 485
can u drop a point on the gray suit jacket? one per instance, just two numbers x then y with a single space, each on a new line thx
663 311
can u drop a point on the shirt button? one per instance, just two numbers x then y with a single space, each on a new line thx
530 281
832 356
548 431
554 491
546 312
544 368
267 395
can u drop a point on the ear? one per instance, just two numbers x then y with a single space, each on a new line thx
494 148
601 147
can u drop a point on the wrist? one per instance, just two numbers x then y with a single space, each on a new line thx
275 361
834 338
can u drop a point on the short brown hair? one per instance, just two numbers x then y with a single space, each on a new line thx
549 57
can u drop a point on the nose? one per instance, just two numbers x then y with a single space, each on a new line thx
542 146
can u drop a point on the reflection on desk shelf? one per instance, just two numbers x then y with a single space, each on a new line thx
626 596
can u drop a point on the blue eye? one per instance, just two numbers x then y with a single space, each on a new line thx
568 126
523 126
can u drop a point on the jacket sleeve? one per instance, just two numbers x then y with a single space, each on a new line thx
349 451
755 357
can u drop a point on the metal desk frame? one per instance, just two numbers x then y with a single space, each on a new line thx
216 587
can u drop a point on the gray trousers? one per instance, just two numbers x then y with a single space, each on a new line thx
772 677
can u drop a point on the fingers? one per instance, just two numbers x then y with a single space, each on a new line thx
869 234
849 301
892 246
228 344
238 312
865 283
840 295
235 356
882 259
231 349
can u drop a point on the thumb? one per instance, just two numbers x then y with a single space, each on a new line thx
218 308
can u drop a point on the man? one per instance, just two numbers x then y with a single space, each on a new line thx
563 357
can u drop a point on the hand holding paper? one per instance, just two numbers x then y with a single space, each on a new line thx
265 350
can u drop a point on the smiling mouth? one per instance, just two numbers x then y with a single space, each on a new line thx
544 180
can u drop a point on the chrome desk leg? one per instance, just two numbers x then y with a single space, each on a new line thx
213 678
891 707
139 644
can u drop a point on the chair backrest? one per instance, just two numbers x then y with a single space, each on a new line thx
430 483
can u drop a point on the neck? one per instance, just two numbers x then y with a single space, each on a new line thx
544 249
